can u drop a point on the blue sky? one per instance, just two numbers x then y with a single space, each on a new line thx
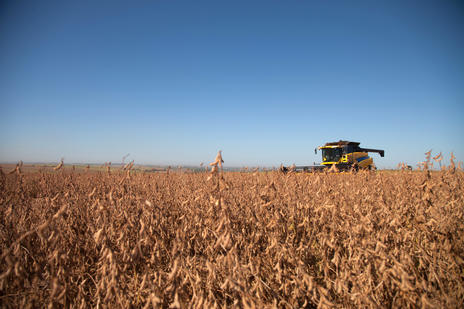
172 82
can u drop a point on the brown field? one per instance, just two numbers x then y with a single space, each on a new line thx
263 239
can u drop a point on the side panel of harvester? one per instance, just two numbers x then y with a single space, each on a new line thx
361 159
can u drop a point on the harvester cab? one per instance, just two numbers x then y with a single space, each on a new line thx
346 155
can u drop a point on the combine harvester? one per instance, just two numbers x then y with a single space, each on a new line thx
343 155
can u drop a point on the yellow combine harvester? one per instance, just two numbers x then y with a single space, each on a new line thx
344 155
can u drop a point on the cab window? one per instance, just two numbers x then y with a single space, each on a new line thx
331 154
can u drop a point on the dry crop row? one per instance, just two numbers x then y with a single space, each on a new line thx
369 239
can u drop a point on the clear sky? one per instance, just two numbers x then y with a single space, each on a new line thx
172 82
